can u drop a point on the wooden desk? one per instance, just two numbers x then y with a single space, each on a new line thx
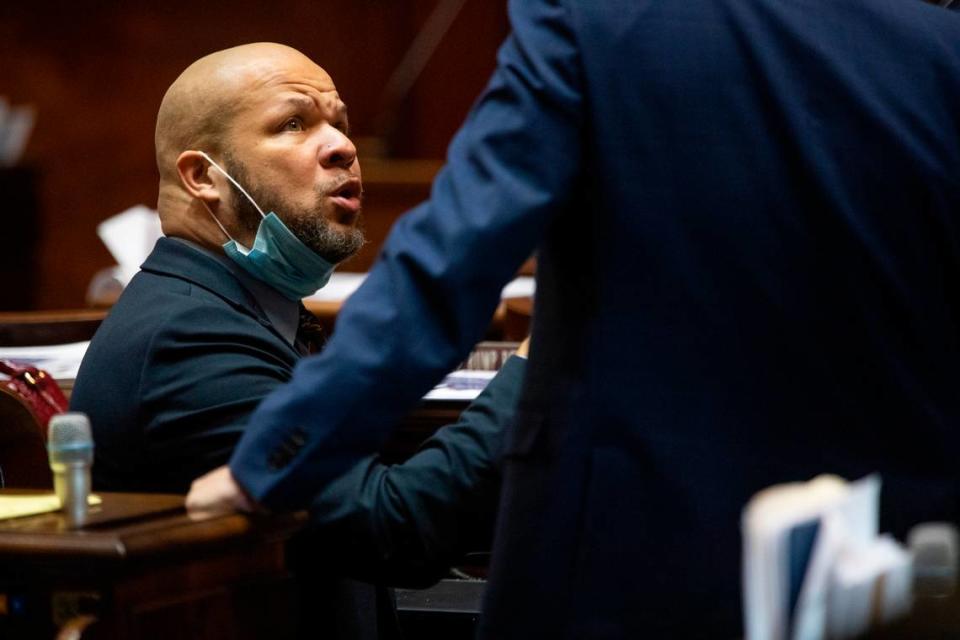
33 328
144 569
506 324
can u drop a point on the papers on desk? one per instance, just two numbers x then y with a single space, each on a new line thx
461 385
342 285
130 236
19 506
62 361
814 566
522 287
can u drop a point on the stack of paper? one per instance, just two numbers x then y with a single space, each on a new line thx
461 385
342 285
814 566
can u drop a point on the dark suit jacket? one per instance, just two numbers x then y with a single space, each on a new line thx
749 272
185 355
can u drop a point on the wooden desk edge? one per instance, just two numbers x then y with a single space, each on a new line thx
167 530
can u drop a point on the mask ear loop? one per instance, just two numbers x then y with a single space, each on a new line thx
235 183
244 250
222 228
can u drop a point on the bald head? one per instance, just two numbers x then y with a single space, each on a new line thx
222 105
198 108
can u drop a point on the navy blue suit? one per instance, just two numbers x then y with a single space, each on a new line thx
749 272
169 382
186 354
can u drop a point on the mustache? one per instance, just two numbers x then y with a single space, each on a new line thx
346 185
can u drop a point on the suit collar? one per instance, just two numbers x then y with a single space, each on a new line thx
173 258
282 313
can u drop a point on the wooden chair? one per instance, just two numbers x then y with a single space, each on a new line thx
23 452
35 328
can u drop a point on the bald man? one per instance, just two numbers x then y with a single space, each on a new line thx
746 213
280 128
259 199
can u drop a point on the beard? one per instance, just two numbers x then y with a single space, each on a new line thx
310 226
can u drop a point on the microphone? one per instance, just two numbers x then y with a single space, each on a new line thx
70 447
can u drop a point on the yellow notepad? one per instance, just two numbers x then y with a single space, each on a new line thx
18 506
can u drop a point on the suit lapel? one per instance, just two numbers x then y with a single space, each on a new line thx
176 259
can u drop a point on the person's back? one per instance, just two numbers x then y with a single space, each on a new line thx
748 273
765 285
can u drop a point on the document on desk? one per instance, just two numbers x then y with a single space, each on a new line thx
62 361
21 505
464 384
342 285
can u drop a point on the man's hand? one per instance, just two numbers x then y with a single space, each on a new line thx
524 347
218 492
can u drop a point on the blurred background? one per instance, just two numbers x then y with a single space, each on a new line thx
94 74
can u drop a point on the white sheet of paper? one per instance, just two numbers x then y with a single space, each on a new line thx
461 385
342 285
62 361
130 236
521 287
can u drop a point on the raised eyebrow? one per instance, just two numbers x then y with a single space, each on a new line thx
302 102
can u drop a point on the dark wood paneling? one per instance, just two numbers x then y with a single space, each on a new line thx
96 73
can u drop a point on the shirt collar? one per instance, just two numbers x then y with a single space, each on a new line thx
283 313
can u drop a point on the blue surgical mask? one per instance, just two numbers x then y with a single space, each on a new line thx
277 257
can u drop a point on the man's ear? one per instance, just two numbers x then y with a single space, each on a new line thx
196 177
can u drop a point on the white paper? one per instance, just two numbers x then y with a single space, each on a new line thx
852 577
342 286
62 361
522 287
848 522
130 236
461 385
870 582
767 521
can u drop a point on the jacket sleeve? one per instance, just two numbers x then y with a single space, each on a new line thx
207 370
511 167
406 524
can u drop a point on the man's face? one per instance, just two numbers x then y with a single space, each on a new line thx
289 147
